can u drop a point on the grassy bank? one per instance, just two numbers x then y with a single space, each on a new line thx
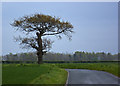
33 74
108 67
55 76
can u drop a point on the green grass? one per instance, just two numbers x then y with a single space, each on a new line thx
58 75
108 67
33 74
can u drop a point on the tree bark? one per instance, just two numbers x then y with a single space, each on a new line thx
39 58
39 51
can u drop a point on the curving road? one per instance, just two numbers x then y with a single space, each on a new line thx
83 76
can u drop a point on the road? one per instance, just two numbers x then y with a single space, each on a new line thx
83 76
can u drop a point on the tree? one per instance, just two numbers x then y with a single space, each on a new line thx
36 27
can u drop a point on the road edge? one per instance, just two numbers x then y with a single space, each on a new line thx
67 78
106 73
110 74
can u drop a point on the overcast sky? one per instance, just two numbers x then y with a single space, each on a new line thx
95 25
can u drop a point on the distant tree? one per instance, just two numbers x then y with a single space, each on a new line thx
10 54
118 56
109 54
38 26
70 57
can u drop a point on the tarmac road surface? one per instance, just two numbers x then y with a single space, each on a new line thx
83 76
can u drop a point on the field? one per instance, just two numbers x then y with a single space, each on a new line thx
33 74
49 73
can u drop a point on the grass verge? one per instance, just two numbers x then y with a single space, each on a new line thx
55 76
107 67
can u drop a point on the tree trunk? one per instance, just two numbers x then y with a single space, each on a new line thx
39 58
39 51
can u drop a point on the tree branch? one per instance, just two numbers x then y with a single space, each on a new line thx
53 33
27 42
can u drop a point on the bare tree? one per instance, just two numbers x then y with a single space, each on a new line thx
37 26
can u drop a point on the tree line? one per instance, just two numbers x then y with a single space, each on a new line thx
50 56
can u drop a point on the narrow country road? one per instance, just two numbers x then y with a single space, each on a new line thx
83 76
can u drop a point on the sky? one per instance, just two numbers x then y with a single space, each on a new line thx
95 25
